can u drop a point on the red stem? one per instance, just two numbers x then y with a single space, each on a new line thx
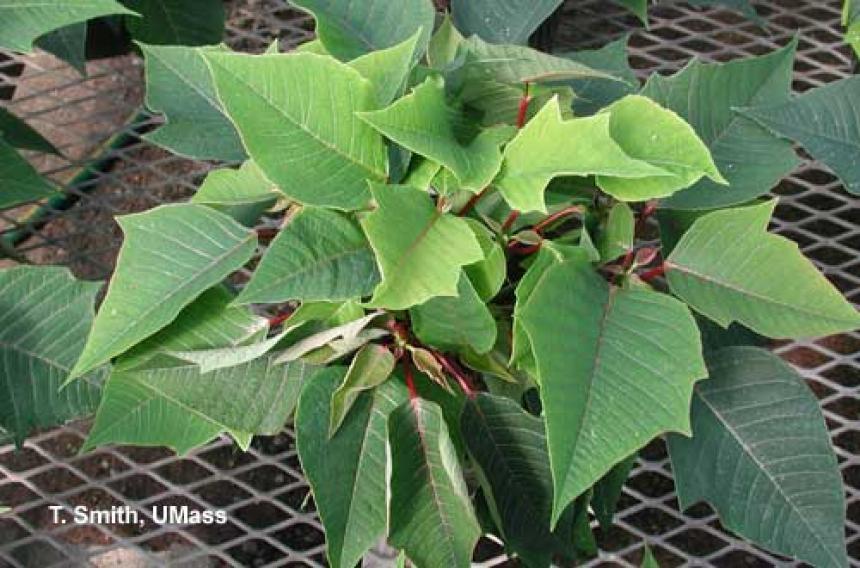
472 202
277 320
647 211
515 247
509 222
654 273
566 212
523 113
410 379
452 370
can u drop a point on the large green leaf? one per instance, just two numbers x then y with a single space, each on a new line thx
592 94
420 250
825 121
706 96
19 134
319 255
171 254
425 124
19 181
22 21
68 43
455 323
616 368
244 194
176 22
502 21
534 157
761 455
729 268
431 514
44 317
296 115
179 85
648 132
351 29
348 472
371 366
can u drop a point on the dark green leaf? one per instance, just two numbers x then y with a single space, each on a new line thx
593 94
176 22
19 181
68 43
21 135
502 21
608 491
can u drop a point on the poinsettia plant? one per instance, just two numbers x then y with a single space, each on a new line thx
469 320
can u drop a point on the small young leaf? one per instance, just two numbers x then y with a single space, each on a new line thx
348 472
488 275
19 181
431 515
420 250
444 44
178 252
761 455
648 560
618 234
176 22
388 69
502 21
318 255
729 268
371 367
244 194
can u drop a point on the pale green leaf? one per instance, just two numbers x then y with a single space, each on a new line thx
420 250
19 134
502 21
444 44
19 181
388 69
371 367
487 275
348 331
825 121
22 21
706 96
171 254
69 44
851 21
616 369
729 268
244 194
296 115
648 132
431 515
176 22
648 560
179 85
421 175
424 123
44 317
761 455
617 235
534 157
351 29
318 255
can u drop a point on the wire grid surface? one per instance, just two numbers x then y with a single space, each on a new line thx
271 521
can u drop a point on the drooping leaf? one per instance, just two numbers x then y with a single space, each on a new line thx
318 154
69 44
706 96
534 157
348 331
21 135
454 323
444 44
244 194
618 234
19 181
825 121
431 515
648 132
351 29
176 22
388 69
616 368
22 21
424 123
171 254
729 268
607 492
180 86
761 455
349 471
593 94
372 366
319 255
419 249
502 21
44 317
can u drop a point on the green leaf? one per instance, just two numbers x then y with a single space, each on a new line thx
487 275
454 323
348 472
371 367
388 69
444 44
171 254
851 21
761 455
509 447
618 234
638 7
351 29
296 115
648 560
499 103
244 194
648 132
176 22
825 121
431 515
616 368
534 157
318 255
424 123
593 94
347 332
502 21
179 85
19 181
69 44
24 20
19 134
419 249
729 268
706 96
44 317
607 492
